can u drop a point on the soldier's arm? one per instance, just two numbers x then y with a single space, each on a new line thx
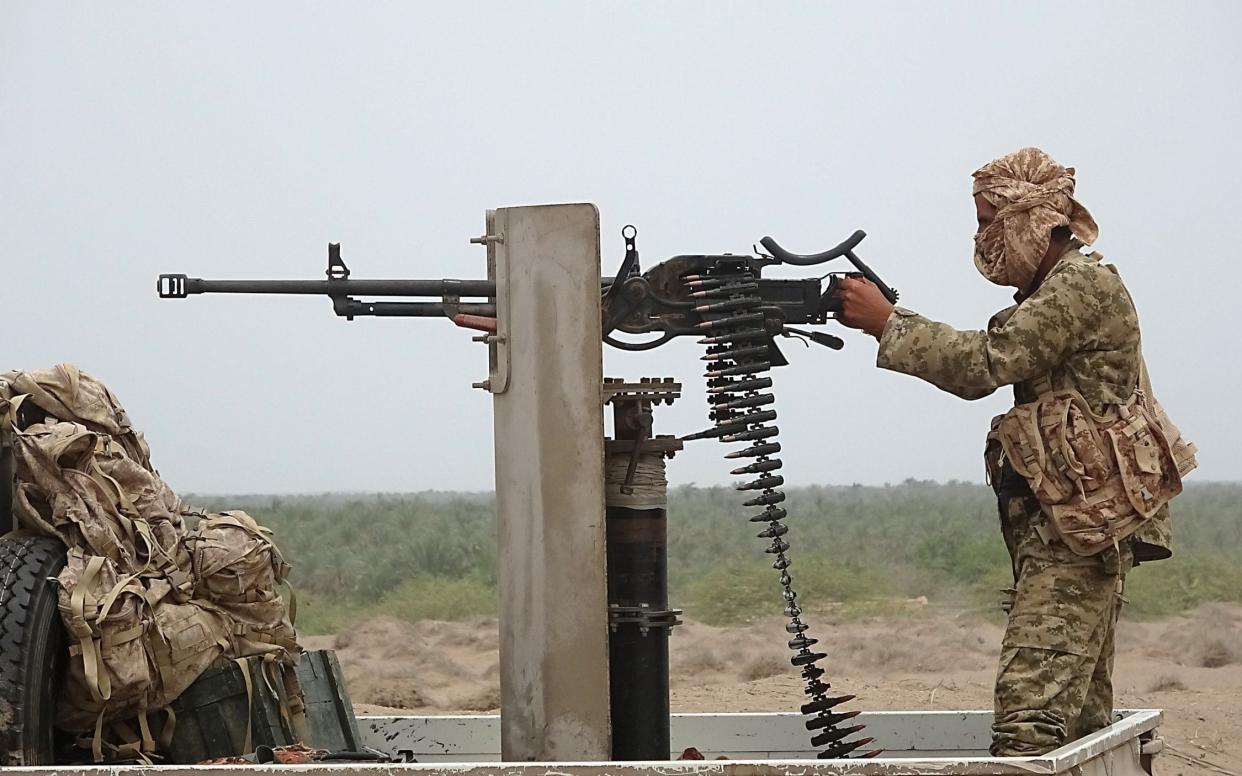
1058 319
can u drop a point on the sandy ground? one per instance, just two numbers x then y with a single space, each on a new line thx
1189 666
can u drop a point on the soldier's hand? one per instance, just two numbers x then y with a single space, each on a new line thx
863 306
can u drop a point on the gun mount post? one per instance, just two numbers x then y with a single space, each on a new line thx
639 618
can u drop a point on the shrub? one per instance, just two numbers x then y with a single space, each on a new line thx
743 591
733 594
427 597
1186 580
319 615
434 554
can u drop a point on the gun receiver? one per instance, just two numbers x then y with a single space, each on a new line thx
684 295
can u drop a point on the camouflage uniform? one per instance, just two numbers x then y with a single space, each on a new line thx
1078 330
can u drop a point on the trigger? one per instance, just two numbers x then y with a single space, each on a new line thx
775 356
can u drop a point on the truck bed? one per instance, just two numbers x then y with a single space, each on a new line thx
944 743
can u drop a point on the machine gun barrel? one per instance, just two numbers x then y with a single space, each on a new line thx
180 286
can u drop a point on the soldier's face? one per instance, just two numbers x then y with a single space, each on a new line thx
985 212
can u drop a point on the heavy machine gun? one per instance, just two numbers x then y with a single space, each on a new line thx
737 314
684 295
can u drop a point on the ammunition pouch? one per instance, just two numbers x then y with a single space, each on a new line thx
1097 477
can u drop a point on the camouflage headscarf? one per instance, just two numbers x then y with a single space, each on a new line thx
1032 194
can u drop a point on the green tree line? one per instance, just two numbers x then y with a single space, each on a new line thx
855 548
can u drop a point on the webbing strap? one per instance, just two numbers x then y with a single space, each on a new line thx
166 733
122 637
144 729
244 664
92 660
116 494
169 563
131 745
97 739
143 530
105 606
230 518
138 528
121 497
293 602
267 668
263 668
129 520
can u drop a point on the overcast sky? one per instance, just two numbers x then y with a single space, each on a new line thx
238 139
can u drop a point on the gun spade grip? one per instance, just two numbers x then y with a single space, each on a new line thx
804 260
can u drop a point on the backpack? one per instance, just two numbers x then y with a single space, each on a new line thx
148 603
237 567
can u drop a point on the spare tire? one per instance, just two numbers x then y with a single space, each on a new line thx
32 648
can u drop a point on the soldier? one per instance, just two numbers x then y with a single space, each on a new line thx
1073 333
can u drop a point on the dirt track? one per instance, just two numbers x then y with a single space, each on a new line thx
1189 666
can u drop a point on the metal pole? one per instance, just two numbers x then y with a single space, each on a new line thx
639 618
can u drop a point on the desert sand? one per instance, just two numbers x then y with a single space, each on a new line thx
1190 666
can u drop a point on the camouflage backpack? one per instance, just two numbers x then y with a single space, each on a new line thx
148 605
133 650
238 568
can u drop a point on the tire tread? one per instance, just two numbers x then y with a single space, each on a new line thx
26 564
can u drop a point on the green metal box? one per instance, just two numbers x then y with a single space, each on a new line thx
212 716
329 712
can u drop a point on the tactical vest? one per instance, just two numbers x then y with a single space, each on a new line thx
1098 477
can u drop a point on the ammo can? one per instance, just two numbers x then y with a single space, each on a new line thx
218 714
329 713
215 713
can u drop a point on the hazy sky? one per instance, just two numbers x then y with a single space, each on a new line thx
238 139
